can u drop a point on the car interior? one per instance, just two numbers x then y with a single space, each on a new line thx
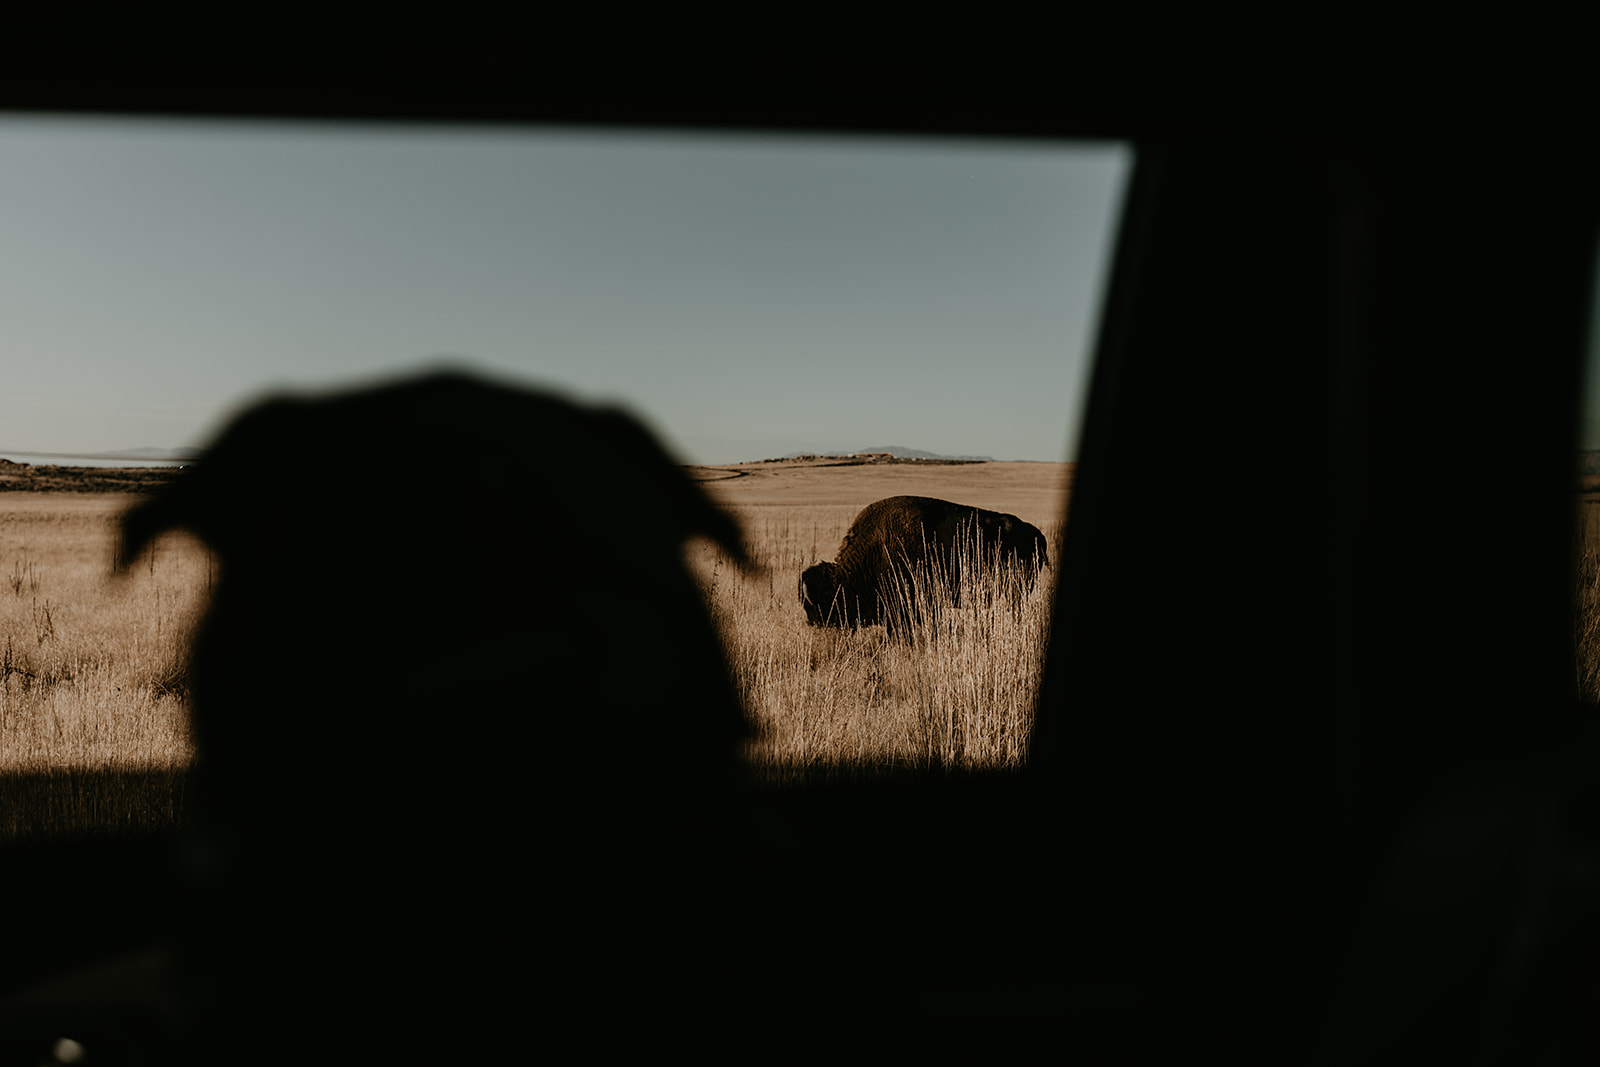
1310 780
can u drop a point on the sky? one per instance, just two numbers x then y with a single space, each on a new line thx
748 296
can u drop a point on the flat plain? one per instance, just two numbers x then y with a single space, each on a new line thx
1586 599
94 727
94 732
831 704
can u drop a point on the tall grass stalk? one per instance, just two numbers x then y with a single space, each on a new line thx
94 720
952 689
1586 621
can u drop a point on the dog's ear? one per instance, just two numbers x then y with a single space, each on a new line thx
658 484
230 483
169 509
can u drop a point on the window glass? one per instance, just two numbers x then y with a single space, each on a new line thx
764 303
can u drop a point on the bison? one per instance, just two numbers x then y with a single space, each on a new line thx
892 538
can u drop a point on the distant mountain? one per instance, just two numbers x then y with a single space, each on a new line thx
897 451
902 452
152 453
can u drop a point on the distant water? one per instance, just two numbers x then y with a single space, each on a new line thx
45 460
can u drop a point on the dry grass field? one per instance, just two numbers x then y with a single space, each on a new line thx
93 720
831 704
93 705
1586 601
93 701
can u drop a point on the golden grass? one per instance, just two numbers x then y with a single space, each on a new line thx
1586 623
94 717
92 689
94 728
1586 600
955 691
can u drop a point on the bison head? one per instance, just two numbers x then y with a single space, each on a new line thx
819 592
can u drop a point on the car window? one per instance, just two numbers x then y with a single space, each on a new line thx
810 324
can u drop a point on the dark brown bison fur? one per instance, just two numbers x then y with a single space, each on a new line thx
890 538
459 707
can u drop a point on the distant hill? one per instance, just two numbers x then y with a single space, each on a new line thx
902 452
131 455
165 455
899 452
151 453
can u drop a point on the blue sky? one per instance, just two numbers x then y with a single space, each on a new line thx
748 296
